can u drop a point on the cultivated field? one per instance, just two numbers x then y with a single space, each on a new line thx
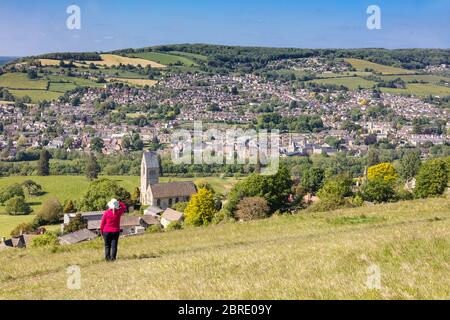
164 58
138 82
361 65
21 81
73 188
308 256
350 82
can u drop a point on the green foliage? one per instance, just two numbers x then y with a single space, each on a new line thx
14 190
312 179
25 228
175 225
51 212
156 228
45 240
333 194
432 179
252 208
410 164
200 209
275 189
76 224
378 191
69 207
33 188
43 165
180 206
17 206
100 192
92 167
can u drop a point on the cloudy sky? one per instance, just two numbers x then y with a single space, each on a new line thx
30 27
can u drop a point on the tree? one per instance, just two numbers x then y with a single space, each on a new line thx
51 212
97 144
76 224
384 171
70 207
100 192
14 190
312 179
200 209
32 74
378 190
43 166
17 206
92 167
252 208
409 165
136 196
32 187
333 193
432 179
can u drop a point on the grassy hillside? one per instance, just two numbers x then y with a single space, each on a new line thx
164 58
73 187
317 256
361 65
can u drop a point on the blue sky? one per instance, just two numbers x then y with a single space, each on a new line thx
30 27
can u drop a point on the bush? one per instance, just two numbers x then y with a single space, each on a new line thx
378 191
222 216
333 194
432 179
69 207
14 190
384 171
175 225
312 179
76 224
45 240
25 228
252 208
51 212
17 206
201 208
180 206
156 228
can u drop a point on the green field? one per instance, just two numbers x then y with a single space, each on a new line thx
164 58
306 256
350 82
190 55
36 95
420 89
361 65
73 187
21 81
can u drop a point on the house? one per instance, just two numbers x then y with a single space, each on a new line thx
87 216
153 211
169 216
77 237
21 241
161 195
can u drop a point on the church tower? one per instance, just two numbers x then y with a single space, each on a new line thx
149 173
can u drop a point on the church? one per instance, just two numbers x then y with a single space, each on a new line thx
161 195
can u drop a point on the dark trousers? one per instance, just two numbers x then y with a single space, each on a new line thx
111 243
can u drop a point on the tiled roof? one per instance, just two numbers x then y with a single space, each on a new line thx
173 189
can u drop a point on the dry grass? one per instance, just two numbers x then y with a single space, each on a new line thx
314 256
361 65
108 60
138 82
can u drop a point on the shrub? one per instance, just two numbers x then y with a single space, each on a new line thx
45 240
76 224
69 207
378 191
201 208
17 206
14 190
156 228
432 179
51 212
312 179
252 208
333 194
175 225
222 216
180 206
23 228
384 171
33 188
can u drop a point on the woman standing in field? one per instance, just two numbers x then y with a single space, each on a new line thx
110 228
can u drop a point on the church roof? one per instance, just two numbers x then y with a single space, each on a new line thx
173 189
151 159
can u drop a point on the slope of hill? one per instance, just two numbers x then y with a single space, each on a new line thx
319 256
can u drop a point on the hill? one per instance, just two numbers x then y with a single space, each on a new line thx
313 256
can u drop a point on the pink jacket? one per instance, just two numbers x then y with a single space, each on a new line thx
111 221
